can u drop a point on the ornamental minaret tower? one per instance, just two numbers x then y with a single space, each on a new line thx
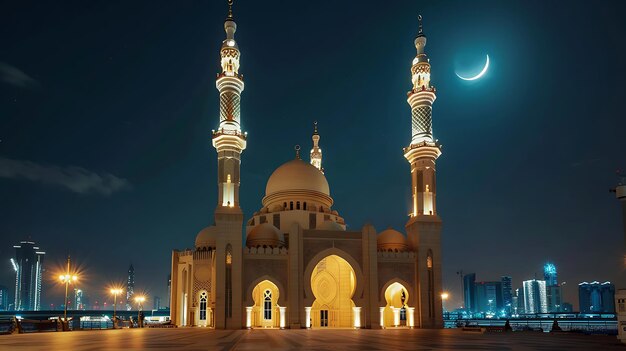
424 226
228 140
316 151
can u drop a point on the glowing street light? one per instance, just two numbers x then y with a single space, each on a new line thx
115 292
444 297
66 279
139 300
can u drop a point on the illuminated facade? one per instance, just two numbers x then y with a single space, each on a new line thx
298 266
28 266
130 287
535 300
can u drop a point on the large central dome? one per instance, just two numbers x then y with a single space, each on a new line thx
297 175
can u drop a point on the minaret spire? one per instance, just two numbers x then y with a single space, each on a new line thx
423 149
316 151
228 140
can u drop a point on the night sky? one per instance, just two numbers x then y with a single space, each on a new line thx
106 109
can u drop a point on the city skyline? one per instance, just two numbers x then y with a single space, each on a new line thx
168 166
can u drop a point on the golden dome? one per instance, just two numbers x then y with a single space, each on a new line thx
265 234
206 237
391 239
297 175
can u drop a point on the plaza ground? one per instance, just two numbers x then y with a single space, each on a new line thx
331 339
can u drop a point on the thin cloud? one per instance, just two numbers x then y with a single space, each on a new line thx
14 76
76 179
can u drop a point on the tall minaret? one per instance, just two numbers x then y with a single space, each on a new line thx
228 140
316 152
424 226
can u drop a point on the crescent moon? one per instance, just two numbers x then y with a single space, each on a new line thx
479 74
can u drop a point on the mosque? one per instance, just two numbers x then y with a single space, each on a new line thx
299 267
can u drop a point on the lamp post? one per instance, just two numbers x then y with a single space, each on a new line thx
66 279
139 300
444 297
115 292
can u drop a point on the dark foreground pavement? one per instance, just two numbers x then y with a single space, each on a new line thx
332 339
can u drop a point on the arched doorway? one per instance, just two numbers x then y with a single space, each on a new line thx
265 312
397 312
333 282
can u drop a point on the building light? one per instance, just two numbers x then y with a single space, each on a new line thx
14 264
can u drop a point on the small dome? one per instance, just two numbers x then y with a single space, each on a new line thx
206 237
265 234
330 225
297 175
391 239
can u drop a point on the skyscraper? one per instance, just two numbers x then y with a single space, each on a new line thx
28 268
596 297
535 300
549 273
169 290
79 303
4 298
469 293
507 296
488 297
130 288
157 303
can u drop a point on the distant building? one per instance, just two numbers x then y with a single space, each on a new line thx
553 295
157 303
507 293
169 290
549 274
567 307
130 287
517 302
488 297
4 298
469 293
79 303
596 297
535 300
28 266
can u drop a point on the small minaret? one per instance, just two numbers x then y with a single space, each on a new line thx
316 151
228 140
423 149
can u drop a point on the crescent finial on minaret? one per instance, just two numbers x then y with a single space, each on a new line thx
420 32
297 148
230 10
315 127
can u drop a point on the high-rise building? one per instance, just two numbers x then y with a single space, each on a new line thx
596 297
535 300
469 293
4 298
169 290
488 297
553 295
156 302
79 303
517 304
507 294
130 287
549 274
28 266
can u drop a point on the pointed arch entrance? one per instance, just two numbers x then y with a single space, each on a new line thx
333 283
397 312
265 312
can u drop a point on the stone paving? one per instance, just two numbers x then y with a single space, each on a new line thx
276 340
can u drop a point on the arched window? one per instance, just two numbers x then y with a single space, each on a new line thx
298 205
229 281
267 305
284 205
203 299
291 205
304 206
431 284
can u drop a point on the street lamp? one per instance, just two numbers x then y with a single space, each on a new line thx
139 300
444 297
115 292
66 279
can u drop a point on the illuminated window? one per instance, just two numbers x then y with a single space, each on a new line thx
431 284
229 282
203 299
267 305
